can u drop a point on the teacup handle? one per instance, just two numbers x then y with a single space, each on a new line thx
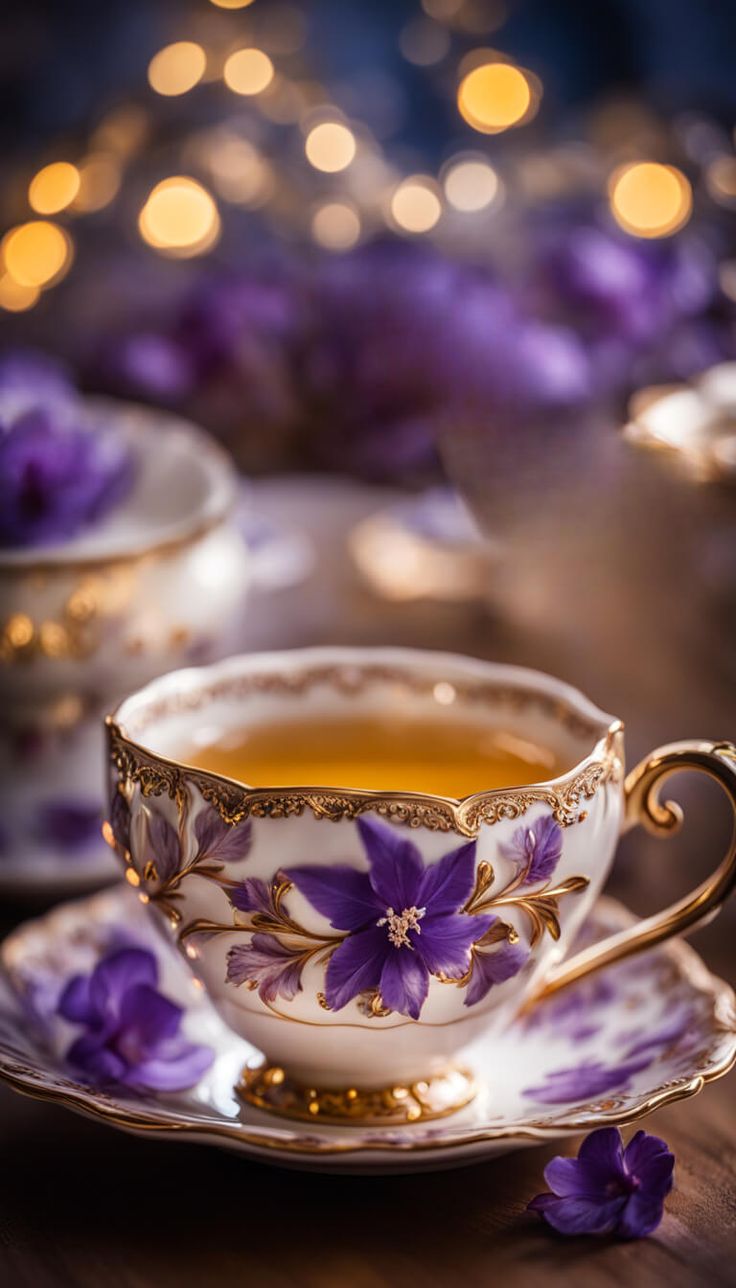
642 805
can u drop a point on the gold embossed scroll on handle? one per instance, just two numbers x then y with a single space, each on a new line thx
643 805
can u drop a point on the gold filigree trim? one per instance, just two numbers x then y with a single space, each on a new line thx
437 1096
565 797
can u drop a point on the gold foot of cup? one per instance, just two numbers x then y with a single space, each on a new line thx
268 1087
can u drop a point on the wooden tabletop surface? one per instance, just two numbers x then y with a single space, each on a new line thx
83 1206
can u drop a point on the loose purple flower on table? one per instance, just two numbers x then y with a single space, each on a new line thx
405 920
608 1189
535 850
132 1033
57 475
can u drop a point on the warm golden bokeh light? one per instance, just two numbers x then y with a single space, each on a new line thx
232 4
240 173
179 218
177 68
494 96
53 188
248 71
37 253
415 205
99 177
336 226
442 9
720 177
649 199
470 184
14 297
330 146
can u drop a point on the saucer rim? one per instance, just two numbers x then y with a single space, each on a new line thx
313 1151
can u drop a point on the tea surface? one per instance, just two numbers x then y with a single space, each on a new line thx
448 757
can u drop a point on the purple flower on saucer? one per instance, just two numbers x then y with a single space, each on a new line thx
72 825
56 474
608 1189
132 1032
404 919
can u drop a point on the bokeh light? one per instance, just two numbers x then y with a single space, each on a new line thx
15 298
442 10
99 182
720 178
336 226
231 4
415 204
177 68
423 42
36 254
239 171
330 146
470 184
649 199
494 96
53 188
248 71
179 218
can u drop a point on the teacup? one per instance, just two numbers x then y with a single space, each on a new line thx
363 939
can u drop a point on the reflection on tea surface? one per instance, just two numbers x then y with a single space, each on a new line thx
446 757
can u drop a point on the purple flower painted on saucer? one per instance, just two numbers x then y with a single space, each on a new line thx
591 1078
132 1032
608 1189
57 475
404 919
535 850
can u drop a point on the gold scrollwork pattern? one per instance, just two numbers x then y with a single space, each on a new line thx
268 1087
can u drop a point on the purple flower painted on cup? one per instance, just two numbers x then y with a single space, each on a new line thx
217 841
608 1189
70 825
404 919
132 1034
492 968
591 1078
57 475
535 850
268 965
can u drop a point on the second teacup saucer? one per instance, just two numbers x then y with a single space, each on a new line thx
607 1051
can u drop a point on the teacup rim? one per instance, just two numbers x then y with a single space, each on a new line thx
214 463
604 751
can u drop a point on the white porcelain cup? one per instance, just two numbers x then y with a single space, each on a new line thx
362 940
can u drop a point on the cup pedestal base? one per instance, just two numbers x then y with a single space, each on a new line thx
269 1087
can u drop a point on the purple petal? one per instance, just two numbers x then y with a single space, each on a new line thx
591 1078
164 844
75 1003
226 842
649 1160
404 982
397 870
537 848
494 968
444 942
641 1215
95 1059
116 973
447 885
253 895
175 1073
340 893
265 961
356 965
148 1017
580 1215
602 1154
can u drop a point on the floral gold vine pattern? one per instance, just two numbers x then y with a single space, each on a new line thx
234 803
392 928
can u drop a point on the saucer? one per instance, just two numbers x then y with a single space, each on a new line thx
607 1051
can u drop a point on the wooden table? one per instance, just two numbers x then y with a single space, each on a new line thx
84 1206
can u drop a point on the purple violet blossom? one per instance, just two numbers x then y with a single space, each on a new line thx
57 475
608 1189
535 850
132 1032
404 919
